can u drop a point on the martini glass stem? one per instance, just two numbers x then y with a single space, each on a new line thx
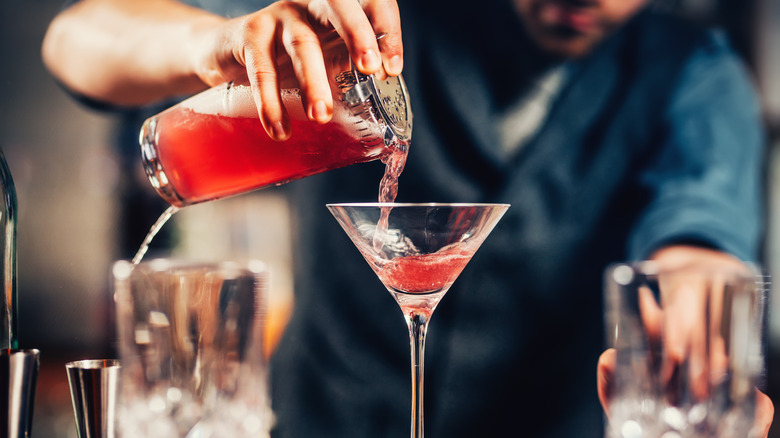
418 326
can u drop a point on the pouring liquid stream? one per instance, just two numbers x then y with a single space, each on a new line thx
388 189
170 211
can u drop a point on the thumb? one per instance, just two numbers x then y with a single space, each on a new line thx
765 412
604 373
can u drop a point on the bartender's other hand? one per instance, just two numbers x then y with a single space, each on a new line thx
681 325
288 32
765 409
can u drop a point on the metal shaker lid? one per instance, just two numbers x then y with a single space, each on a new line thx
389 97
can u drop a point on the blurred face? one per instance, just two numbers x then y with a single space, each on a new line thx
572 28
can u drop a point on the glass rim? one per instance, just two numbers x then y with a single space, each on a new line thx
625 272
93 364
20 351
122 269
417 204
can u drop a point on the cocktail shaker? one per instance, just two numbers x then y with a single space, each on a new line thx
213 144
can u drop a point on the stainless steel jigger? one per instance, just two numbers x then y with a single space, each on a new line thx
18 376
93 390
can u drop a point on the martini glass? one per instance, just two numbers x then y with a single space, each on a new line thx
417 251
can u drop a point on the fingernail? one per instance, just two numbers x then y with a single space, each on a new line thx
279 133
320 112
370 61
395 65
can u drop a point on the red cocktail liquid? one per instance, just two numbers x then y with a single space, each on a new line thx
425 273
208 156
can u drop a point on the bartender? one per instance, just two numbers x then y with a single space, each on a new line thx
615 131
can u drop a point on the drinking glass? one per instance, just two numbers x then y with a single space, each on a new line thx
689 350
417 251
190 343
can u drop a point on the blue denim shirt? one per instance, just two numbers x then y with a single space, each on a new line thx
706 180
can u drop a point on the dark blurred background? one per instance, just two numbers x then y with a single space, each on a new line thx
67 180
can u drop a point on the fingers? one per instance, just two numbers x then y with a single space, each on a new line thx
256 50
385 17
685 332
651 313
352 24
302 45
692 291
719 359
278 43
282 42
358 23
685 327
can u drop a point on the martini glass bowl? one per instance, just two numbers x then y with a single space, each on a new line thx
417 251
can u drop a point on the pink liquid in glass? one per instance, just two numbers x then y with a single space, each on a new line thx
210 156
425 273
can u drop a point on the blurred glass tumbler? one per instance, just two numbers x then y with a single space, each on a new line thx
689 351
18 377
93 391
190 343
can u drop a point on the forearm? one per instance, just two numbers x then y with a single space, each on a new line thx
130 52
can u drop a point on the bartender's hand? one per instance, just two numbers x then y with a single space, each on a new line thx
136 52
258 43
677 327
